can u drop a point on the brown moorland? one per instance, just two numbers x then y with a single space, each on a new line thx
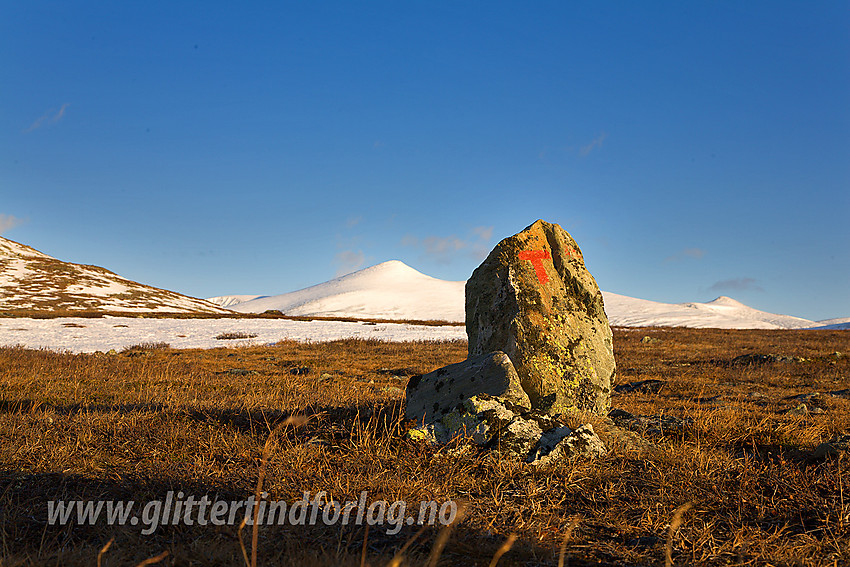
137 424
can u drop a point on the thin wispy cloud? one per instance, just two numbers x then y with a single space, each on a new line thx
483 232
353 221
437 246
444 249
349 261
736 284
594 144
8 222
695 253
52 116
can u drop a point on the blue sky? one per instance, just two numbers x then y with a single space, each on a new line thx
693 149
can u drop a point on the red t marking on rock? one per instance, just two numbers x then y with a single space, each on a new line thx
536 258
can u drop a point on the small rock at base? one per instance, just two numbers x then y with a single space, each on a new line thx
433 395
833 447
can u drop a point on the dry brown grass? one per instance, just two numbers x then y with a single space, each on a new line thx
134 427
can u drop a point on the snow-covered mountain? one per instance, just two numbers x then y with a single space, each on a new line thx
32 280
393 290
723 313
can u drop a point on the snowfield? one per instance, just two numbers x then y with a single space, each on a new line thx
78 334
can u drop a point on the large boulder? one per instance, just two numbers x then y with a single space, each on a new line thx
534 300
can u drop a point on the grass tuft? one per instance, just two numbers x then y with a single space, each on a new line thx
147 346
236 335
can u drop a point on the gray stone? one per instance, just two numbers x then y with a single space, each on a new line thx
467 420
548 441
758 359
807 396
502 425
518 438
433 433
534 300
801 409
496 411
434 395
581 442
654 425
833 447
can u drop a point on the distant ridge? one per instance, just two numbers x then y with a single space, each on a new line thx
834 324
33 281
722 313
394 290
231 300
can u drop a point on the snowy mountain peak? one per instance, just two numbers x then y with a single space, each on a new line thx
390 265
726 302
390 290
391 269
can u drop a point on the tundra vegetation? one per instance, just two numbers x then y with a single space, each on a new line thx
731 476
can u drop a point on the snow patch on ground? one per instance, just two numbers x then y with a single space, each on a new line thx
79 334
